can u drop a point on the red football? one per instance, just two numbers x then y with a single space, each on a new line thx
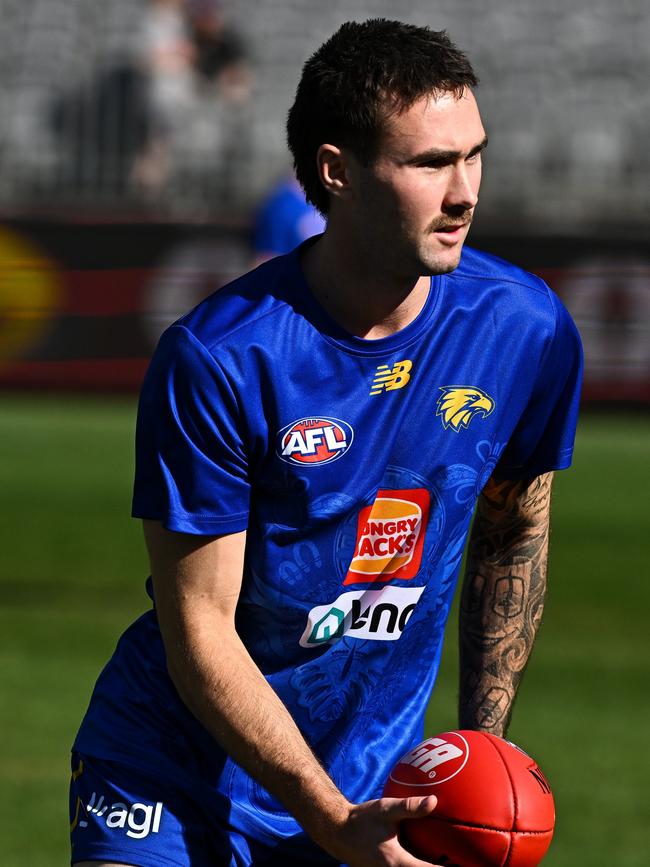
495 806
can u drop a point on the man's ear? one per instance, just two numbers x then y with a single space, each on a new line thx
334 170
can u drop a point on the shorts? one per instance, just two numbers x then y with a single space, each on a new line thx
120 814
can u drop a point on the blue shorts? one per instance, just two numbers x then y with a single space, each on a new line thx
123 815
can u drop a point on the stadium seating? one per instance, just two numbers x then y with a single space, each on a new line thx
562 94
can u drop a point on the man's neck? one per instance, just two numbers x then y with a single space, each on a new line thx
364 300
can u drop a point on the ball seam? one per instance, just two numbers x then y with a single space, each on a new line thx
514 798
478 827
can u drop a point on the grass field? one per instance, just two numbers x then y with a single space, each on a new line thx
71 577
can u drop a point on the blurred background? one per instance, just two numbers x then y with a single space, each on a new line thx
142 165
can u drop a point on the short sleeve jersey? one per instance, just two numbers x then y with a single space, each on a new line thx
354 465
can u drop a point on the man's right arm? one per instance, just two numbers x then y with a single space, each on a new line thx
197 581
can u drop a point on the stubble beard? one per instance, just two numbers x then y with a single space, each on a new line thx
436 263
445 262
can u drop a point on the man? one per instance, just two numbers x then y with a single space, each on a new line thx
311 443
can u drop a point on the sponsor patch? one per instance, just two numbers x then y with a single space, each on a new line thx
309 441
390 537
459 404
390 378
378 615
136 820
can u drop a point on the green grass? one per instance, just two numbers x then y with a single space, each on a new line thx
584 705
71 578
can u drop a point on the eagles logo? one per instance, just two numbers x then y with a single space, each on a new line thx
458 405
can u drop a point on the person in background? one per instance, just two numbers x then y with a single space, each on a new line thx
199 80
221 54
284 220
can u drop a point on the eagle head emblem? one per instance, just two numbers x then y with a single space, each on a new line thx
458 404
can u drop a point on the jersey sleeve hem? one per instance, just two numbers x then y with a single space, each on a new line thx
198 525
561 462
107 852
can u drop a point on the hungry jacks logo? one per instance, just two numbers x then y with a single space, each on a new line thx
390 536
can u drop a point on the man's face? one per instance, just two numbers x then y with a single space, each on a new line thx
417 198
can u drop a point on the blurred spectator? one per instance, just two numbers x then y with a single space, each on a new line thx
200 78
220 52
284 220
167 57
164 111
102 128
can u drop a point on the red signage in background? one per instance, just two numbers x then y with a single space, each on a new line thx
609 299
82 305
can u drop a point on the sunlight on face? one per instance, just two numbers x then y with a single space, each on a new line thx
417 198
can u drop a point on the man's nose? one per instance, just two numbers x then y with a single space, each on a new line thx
462 191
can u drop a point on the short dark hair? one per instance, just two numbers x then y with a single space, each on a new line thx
364 73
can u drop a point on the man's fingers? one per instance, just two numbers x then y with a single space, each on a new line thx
408 808
398 809
412 861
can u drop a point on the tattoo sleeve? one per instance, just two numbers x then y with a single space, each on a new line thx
502 598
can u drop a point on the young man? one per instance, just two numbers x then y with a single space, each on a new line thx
312 441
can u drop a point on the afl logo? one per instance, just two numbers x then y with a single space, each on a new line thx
314 441
432 762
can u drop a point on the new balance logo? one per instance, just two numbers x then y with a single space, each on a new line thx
389 378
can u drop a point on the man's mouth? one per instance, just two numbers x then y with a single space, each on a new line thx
449 228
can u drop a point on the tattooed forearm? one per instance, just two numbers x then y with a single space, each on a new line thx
502 598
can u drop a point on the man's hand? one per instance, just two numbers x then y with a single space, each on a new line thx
196 587
369 836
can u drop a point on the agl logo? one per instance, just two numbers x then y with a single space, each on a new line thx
138 820
314 440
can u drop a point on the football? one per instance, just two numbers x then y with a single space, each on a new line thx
495 806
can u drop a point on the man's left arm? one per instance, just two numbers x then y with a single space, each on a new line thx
502 598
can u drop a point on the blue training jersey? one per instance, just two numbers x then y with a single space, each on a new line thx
355 466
